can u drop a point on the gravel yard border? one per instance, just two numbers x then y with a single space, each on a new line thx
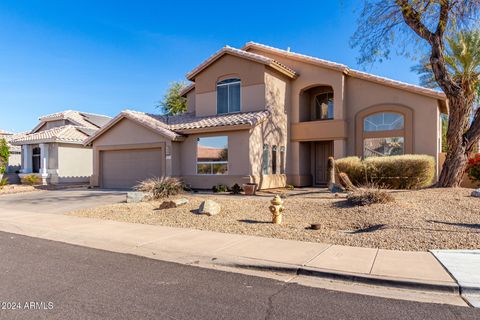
417 221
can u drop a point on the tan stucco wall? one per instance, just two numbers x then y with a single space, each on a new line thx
74 163
273 131
352 95
362 94
191 101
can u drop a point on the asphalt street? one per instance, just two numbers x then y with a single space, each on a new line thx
43 279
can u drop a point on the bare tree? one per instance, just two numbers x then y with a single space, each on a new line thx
421 26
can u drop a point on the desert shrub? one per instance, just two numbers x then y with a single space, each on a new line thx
353 167
473 168
220 188
368 195
3 183
236 189
31 180
395 172
159 188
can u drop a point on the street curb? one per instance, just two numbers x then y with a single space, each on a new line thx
262 265
381 281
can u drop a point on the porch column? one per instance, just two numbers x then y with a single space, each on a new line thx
44 162
26 159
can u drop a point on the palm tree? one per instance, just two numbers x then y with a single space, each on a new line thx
463 62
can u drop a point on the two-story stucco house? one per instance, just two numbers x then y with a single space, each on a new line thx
54 149
269 116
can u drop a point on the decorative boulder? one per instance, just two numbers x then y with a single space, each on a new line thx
209 207
476 193
136 197
168 204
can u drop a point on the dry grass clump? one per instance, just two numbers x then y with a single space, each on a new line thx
31 180
368 195
396 172
159 188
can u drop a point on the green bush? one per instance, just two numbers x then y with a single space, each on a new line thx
220 188
159 188
4 155
236 189
353 167
394 172
3 183
31 180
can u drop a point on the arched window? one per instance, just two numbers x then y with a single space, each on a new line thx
383 134
228 95
323 106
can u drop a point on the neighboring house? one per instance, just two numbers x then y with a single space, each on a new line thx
15 159
54 148
269 116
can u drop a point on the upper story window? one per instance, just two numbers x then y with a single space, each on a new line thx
323 106
228 95
383 121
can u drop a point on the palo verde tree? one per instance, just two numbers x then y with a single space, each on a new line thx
173 103
421 27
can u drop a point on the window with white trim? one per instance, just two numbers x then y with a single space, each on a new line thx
228 96
212 155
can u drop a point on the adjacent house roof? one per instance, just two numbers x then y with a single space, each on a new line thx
345 69
67 134
84 119
243 54
11 136
173 127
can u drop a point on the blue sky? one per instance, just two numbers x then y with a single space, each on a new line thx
107 56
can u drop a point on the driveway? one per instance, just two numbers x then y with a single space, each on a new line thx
59 201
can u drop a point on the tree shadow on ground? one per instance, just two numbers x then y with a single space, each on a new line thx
457 224
369 229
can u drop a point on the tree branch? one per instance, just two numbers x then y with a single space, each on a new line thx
443 17
413 20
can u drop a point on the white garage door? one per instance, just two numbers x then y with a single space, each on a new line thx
121 169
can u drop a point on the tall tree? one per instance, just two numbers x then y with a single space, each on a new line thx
423 26
173 103
463 61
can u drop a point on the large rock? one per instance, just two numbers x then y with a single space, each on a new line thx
168 204
476 193
136 197
209 207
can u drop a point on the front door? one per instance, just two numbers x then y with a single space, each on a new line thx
323 150
36 160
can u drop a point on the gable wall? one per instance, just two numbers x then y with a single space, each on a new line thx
127 132
252 79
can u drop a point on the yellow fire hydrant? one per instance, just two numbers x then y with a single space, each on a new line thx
276 209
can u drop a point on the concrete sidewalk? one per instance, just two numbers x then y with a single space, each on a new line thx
413 270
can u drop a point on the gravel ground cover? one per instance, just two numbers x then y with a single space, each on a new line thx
417 220
16 188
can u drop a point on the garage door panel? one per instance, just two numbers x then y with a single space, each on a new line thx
125 168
